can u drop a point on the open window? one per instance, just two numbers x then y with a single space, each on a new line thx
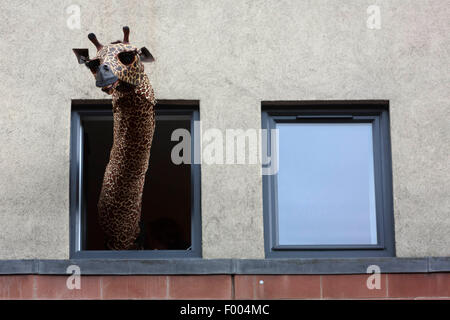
331 193
170 216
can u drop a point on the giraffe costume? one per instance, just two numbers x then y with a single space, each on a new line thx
119 71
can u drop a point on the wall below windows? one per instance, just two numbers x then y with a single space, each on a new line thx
391 286
229 56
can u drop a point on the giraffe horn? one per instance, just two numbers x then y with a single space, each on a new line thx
94 40
126 34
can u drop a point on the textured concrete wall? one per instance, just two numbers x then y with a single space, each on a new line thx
230 55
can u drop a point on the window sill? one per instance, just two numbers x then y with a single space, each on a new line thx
226 266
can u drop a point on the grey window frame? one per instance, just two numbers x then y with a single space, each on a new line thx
375 112
103 108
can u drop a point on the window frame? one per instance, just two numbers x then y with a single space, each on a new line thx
375 112
103 108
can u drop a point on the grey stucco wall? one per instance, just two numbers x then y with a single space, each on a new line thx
230 55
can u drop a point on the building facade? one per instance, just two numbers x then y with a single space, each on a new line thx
376 68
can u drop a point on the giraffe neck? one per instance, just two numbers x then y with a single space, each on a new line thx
120 200
134 122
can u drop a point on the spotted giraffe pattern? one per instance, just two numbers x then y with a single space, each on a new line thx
133 73
120 201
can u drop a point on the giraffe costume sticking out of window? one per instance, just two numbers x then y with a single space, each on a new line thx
118 71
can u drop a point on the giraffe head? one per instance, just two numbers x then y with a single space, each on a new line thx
118 64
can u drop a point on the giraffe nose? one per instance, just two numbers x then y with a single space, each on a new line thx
105 76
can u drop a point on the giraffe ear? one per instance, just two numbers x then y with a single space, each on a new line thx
82 55
145 55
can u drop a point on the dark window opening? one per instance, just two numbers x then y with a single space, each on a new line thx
170 216
166 199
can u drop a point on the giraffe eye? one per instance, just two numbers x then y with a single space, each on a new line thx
126 57
93 64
